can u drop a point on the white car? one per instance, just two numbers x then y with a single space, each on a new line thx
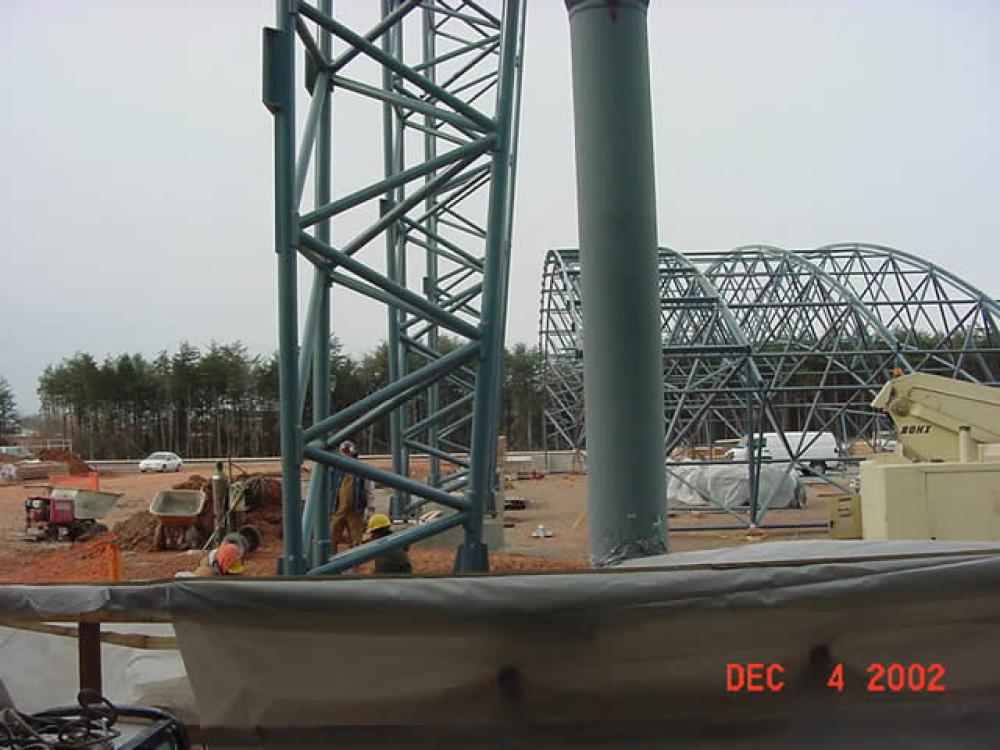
161 461
16 451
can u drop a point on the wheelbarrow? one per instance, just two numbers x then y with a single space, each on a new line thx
74 510
177 519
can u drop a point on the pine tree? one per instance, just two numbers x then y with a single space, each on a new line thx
10 420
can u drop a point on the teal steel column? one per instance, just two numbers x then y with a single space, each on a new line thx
473 554
515 128
393 166
320 550
401 250
280 91
753 443
623 365
431 278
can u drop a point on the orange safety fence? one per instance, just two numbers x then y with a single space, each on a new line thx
113 556
91 481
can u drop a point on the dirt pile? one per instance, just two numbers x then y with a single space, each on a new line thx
74 463
264 501
136 533
195 482
263 497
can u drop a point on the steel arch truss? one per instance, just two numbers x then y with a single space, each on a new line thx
941 323
761 339
445 76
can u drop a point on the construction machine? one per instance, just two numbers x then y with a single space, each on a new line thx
943 480
74 510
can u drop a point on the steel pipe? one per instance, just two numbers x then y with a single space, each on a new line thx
623 368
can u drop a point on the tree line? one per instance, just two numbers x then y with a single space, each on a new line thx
223 400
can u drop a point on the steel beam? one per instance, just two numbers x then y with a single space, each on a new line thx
431 266
473 554
415 379
388 478
393 163
279 97
322 387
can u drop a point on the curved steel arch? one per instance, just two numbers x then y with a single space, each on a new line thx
560 326
761 338
822 352
913 259
801 259
708 362
688 301
711 379
928 310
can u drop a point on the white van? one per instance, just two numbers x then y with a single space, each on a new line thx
817 450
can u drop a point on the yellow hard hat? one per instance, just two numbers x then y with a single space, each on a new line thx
378 521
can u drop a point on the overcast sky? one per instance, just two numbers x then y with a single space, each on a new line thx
136 189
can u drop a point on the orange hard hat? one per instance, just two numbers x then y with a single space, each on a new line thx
229 558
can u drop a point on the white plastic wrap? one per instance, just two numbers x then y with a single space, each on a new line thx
40 671
696 484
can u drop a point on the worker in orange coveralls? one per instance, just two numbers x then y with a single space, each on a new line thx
227 560
351 499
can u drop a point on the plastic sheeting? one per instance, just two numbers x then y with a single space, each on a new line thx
624 649
694 483
40 672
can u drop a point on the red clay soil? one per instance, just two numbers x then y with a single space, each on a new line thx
73 462
89 562
79 562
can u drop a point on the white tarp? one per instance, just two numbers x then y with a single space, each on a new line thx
40 671
692 483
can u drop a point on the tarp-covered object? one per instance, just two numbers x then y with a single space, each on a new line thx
614 653
694 483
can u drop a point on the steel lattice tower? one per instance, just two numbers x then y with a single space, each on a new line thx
449 111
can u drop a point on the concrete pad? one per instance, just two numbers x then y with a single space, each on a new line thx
450 539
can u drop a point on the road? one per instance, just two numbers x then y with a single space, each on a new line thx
196 465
